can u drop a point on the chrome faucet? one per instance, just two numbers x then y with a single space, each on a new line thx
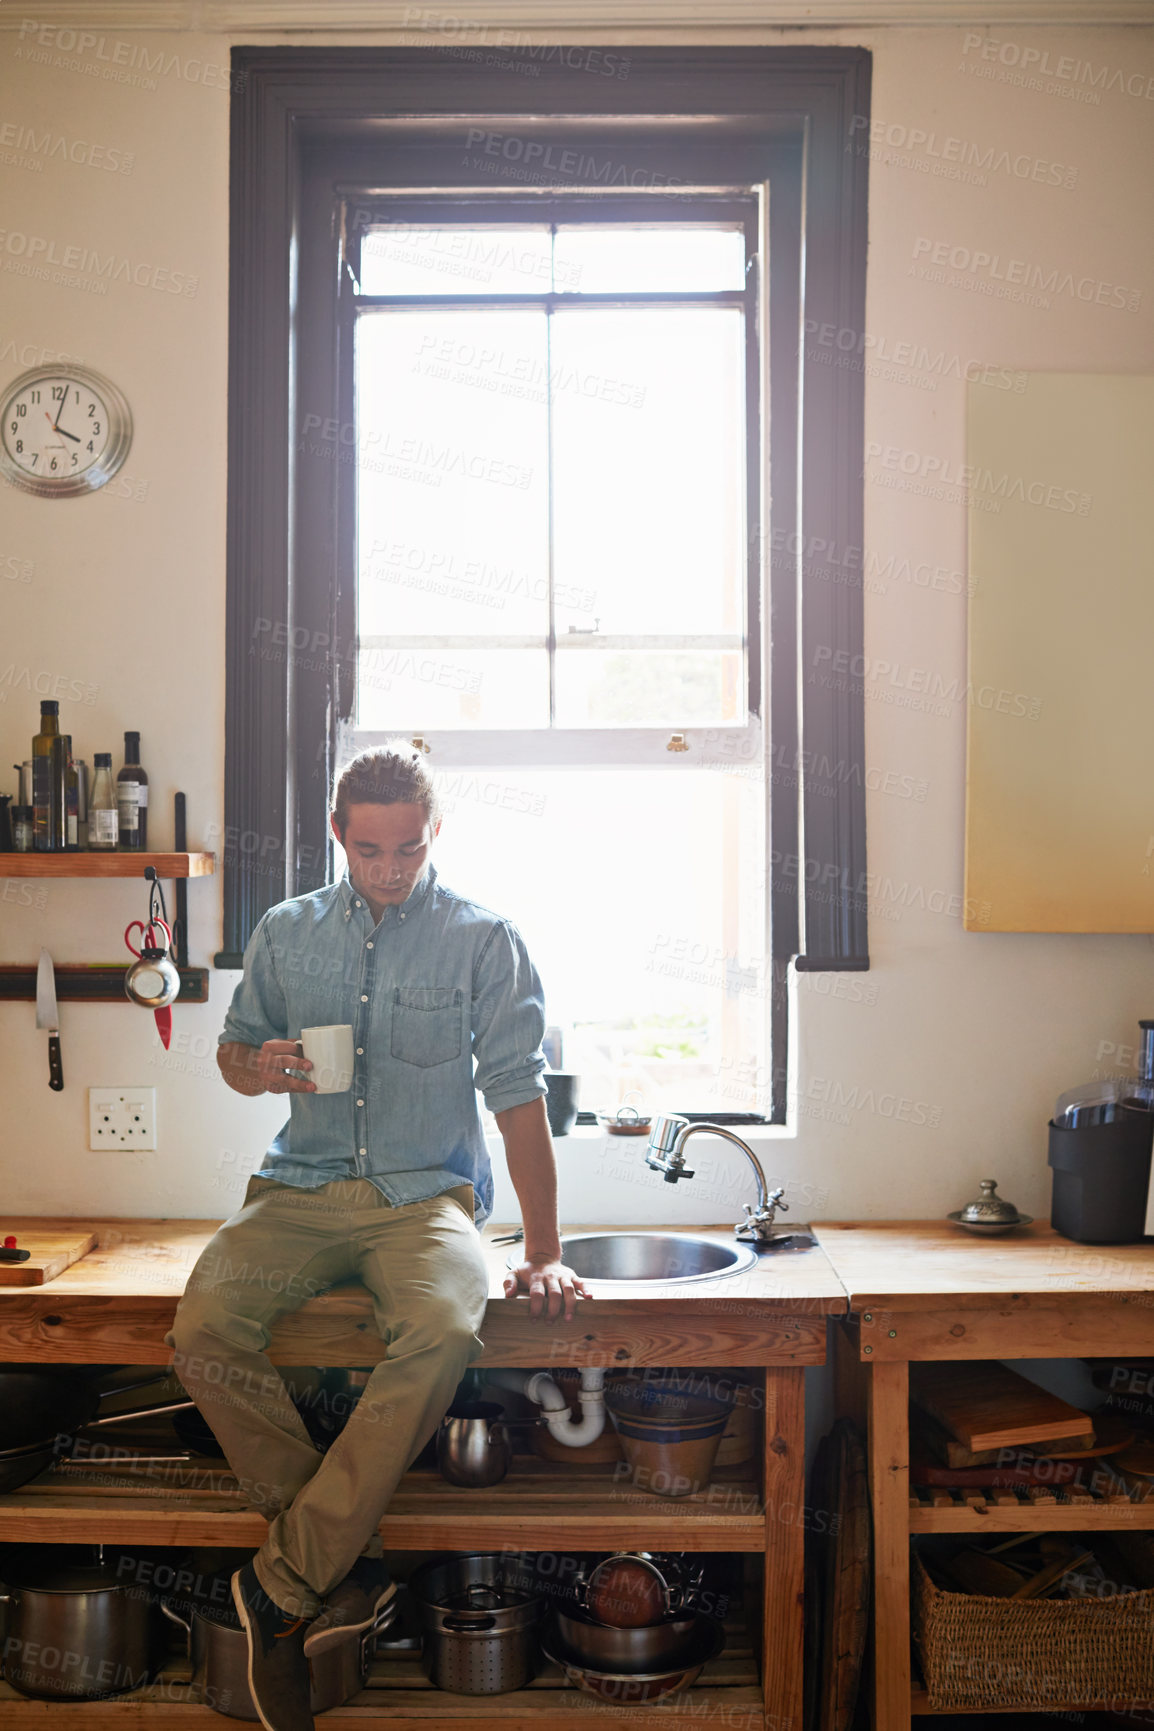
666 1154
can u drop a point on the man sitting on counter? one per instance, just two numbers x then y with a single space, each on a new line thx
385 1181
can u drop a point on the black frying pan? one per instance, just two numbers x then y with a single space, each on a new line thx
41 1411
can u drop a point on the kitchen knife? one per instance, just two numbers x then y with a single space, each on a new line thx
47 1016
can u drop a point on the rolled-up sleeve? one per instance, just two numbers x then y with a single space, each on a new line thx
508 1022
258 1011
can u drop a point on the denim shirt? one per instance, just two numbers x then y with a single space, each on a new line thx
438 984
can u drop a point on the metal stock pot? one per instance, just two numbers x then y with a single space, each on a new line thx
75 1627
219 1654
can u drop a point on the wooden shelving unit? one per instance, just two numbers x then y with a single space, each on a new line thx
920 1291
106 865
118 1302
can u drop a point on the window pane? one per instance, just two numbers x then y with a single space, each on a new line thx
594 260
402 258
648 688
418 689
666 981
452 485
648 467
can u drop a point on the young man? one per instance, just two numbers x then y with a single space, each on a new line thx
381 1183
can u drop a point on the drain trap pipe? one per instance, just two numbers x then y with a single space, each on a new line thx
539 1387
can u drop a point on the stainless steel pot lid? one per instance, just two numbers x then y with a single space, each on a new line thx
481 1596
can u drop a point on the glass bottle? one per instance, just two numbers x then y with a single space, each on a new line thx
132 797
102 810
47 812
70 791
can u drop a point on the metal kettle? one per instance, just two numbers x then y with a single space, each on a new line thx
473 1446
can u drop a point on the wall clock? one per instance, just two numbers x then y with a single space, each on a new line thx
64 430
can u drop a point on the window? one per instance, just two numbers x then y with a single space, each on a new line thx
388 266
556 414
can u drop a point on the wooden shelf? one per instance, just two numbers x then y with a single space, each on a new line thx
1057 1514
920 1703
399 1697
106 865
195 1503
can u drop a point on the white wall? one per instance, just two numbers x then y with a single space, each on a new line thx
938 1067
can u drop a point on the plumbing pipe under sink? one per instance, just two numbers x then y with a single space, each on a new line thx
539 1387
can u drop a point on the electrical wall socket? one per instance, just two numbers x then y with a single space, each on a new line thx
121 1118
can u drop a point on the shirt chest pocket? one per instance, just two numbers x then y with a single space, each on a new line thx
427 1024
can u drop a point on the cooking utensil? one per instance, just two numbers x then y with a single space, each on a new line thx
649 1647
631 1589
75 1628
623 1688
48 1016
219 1653
473 1446
989 1213
479 1630
42 1412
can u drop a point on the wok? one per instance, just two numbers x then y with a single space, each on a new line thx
41 1411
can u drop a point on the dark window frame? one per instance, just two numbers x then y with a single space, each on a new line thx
304 120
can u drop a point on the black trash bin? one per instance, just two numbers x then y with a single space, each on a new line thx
1101 1177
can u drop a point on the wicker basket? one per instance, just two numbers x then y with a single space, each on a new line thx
1044 1653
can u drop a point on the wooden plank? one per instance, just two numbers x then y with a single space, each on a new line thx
196 1503
736 1707
106 865
889 1498
52 1252
784 1539
338 1328
985 1405
1049 1516
1032 1327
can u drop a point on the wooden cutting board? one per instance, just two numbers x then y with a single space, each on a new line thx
51 1253
986 1406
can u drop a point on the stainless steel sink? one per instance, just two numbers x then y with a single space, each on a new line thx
650 1256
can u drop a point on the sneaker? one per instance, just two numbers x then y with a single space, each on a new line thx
278 1672
354 1604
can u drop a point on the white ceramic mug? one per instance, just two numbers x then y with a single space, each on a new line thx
330 1052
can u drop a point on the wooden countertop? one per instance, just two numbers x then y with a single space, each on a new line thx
924 1290
907 1264
118 1302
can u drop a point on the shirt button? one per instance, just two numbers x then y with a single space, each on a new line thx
364 997
402 916
364 1150
368 946
360 1102
359 904
360 1051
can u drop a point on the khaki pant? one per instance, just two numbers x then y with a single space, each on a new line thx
422 1264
